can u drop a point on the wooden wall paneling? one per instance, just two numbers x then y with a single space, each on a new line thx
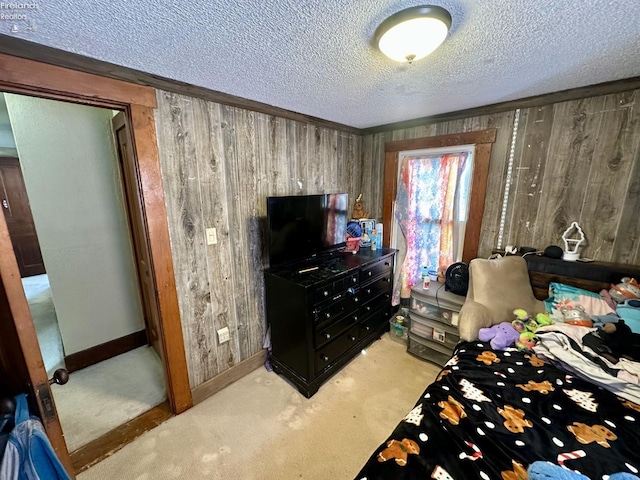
571 147
254 189
527 195
503 123
182 122
239 172
279 159
626 247
330 157
609 175
317 164
214 197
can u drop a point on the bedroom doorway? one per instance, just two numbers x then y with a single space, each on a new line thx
21 365
89 308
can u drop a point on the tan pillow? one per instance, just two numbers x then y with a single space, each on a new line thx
500 285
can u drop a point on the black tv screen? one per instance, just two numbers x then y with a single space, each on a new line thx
302 226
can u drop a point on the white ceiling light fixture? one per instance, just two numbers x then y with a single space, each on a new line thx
413 33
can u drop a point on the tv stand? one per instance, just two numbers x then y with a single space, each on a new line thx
324 313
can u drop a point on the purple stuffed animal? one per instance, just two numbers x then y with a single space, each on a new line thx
500 336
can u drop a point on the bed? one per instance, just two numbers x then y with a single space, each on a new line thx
491 413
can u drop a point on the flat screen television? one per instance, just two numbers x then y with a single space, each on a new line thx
303 226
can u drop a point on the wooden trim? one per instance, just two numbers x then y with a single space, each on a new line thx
42 53
146 151
483 141
464 138
109 443
105 351
226 378
46 81
604 88
19 74
481 161
389 189
15 316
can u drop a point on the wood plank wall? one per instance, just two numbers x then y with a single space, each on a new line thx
219 164
574 160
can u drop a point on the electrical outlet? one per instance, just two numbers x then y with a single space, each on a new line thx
223 335
212 236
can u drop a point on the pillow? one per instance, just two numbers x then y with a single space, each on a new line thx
561 295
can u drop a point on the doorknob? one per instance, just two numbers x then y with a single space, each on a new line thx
60 376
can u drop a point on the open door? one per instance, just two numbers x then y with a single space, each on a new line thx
135 210
21 365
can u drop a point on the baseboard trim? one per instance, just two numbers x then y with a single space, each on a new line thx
226 378
108 444
100 353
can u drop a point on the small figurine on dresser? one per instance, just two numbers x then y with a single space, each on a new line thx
358 209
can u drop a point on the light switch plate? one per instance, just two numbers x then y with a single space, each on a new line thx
223 335
212 236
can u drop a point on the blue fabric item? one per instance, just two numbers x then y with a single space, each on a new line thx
29 454
549 471
600 320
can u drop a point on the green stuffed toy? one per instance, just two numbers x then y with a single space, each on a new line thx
528 327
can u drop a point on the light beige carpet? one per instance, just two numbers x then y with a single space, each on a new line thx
104 396
261 428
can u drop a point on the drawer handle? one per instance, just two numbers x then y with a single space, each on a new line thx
368 308
354 279
352 338
327 335
370 273
325 293
388 280
328 315
355 299
367 328
324 358
355 318
368 290
386 264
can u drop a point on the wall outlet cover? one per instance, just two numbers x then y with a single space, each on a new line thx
223 335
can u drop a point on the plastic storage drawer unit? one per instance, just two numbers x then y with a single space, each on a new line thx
428 350
434 330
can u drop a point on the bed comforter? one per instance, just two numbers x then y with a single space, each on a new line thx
491 413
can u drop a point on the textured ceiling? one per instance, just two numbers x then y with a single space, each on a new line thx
316 57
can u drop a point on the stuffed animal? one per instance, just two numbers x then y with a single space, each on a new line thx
358 209
626 289
527 328
576 316
500 336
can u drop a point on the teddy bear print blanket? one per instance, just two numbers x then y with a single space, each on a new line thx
490 414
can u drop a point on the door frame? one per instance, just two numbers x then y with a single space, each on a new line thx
28 77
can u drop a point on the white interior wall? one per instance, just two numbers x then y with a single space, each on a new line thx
70 168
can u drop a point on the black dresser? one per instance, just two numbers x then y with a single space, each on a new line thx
324 313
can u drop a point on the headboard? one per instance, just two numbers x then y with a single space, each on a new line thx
592 276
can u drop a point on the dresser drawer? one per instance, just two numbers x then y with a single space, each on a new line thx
375 288
434 330
375 270
330 352
335 310
380 316
327 333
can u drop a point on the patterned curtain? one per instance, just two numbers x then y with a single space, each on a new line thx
425 210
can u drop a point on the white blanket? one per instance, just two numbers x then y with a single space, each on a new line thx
555 346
